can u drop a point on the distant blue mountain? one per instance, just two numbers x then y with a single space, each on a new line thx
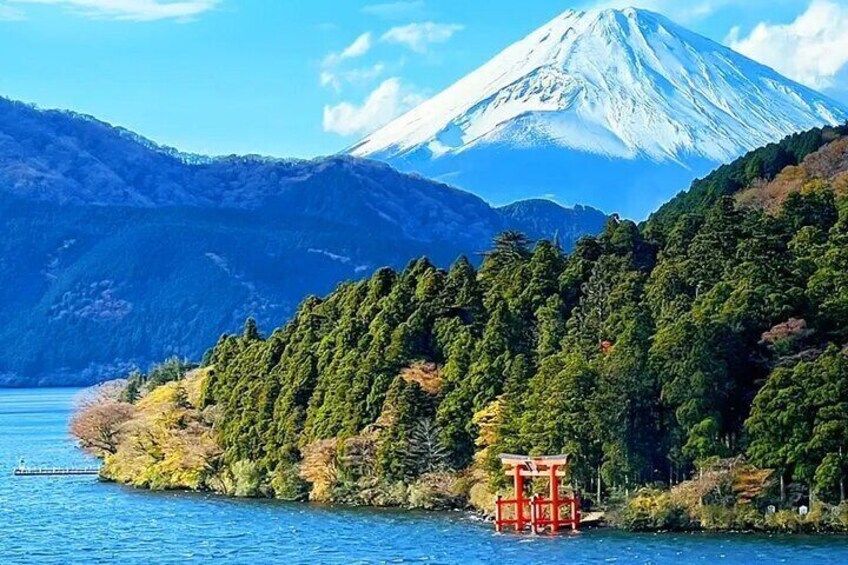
115 252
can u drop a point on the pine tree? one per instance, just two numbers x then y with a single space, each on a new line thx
251 330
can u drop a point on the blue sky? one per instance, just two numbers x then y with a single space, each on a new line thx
302 78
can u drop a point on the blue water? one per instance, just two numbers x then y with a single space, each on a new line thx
80 520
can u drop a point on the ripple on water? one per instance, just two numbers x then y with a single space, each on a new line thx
79 520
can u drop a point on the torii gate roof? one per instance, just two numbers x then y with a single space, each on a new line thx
532 462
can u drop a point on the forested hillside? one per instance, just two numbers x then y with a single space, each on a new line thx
758 166
647 354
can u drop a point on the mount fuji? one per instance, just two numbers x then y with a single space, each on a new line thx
616 109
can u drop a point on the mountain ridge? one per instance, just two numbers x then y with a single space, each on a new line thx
116 252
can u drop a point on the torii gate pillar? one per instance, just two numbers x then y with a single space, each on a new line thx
545 513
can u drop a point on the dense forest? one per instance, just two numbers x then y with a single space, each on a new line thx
652 354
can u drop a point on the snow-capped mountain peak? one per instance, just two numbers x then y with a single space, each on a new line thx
620 84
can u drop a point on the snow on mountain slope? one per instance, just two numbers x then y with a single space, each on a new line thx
616 97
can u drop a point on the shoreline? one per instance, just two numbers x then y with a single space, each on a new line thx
591 521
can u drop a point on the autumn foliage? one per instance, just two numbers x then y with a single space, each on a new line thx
100 421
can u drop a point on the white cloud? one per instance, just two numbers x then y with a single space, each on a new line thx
811 50
329 78
136 10
386 102
396 10
419 36
416 36
332 76
363 75
357 76
10 14
358 48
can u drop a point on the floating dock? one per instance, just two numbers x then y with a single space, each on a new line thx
55 471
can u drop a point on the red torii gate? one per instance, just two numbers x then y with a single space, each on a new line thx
537 512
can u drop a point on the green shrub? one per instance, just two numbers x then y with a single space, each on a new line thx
716 517
287 484
784 521
743 517
840 517
653 509
748 517
437 491
247 478
369 491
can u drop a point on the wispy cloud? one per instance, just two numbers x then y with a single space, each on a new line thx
419 36
812 50
386 102
332 76
11 13
135 10
392 97
359 76
396 10
416 36
360 46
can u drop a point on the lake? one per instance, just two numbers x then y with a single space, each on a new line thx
81 520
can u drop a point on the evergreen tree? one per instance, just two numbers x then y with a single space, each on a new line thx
251 330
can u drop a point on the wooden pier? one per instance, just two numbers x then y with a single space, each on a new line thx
55 471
